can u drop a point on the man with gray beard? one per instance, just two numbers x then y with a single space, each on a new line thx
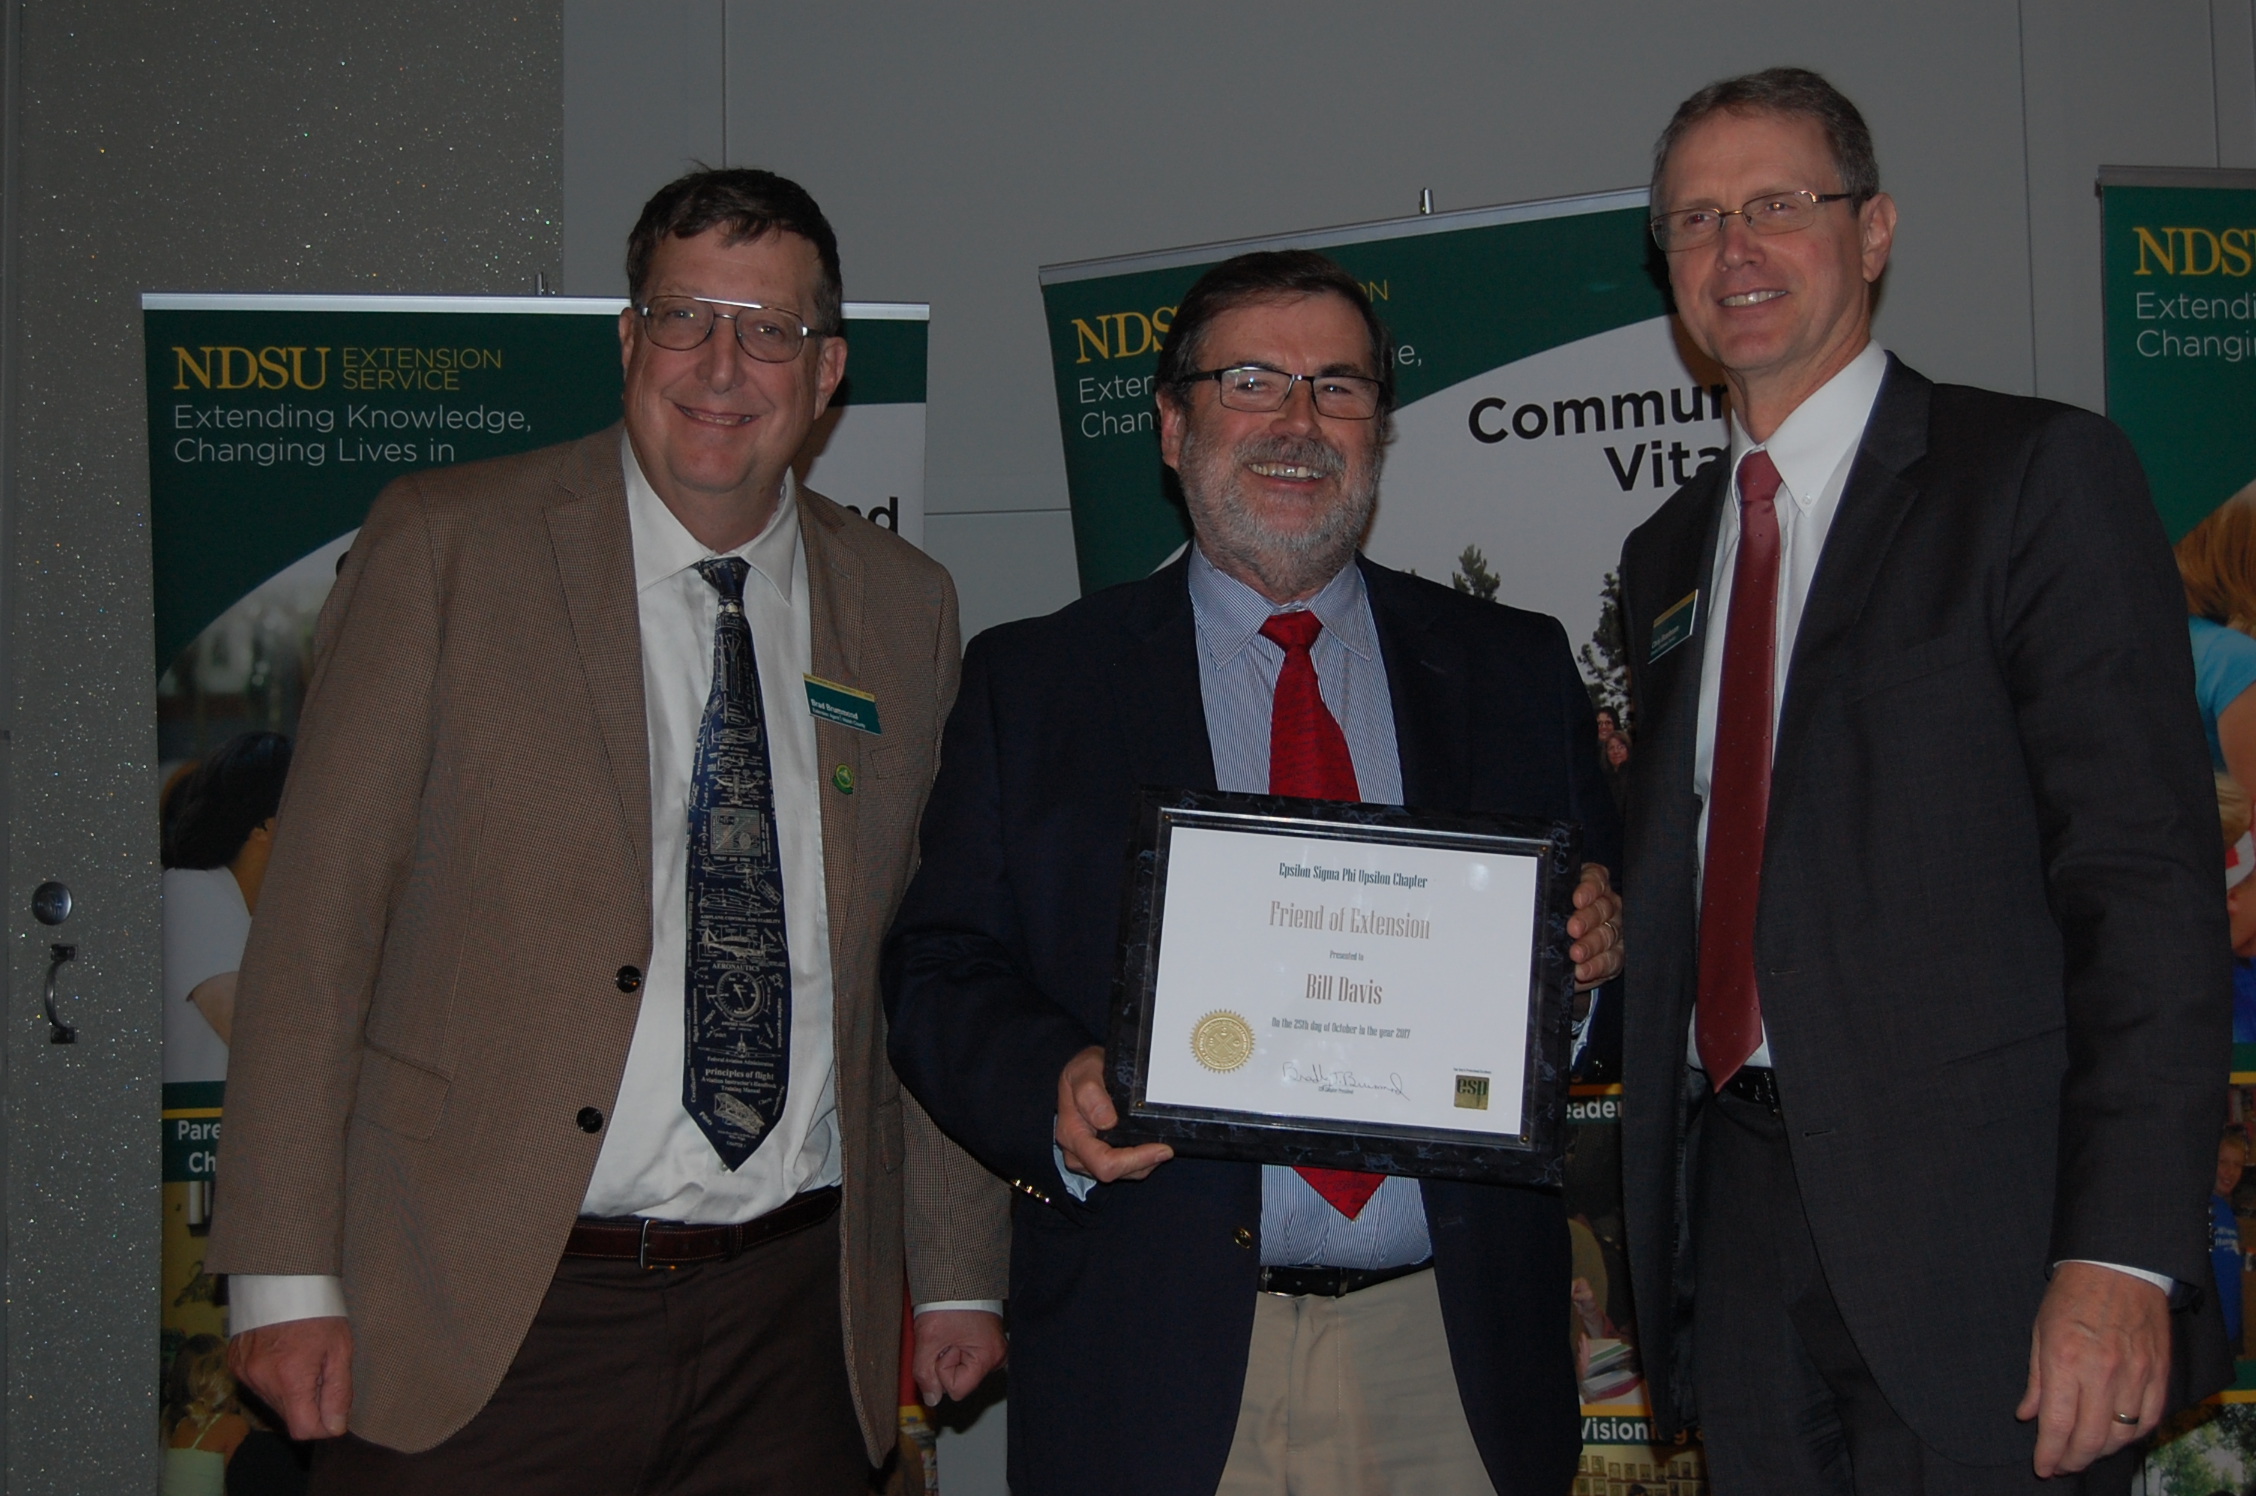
1191 1326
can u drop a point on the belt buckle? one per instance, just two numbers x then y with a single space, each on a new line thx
642 1251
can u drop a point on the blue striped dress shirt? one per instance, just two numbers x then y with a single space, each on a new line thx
1238 682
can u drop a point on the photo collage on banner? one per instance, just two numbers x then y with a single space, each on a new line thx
2179 269
273 423
1546 408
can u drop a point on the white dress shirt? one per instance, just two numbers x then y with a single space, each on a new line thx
655 1161
1814 448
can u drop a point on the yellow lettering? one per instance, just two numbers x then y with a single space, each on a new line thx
2199 236
2162 252
272 363
297 368
1087 335
183 366
227 379
2233 247
1143 334
1377 290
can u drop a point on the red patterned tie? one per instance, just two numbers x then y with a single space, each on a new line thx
1308 757
1739 784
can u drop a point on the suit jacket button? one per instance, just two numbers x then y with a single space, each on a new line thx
630 979
590 1119
1243 1238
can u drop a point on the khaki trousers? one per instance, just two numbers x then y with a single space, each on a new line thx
1353 1396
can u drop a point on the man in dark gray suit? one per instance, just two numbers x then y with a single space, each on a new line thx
1928 1004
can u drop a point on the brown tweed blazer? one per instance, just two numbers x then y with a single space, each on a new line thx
430 995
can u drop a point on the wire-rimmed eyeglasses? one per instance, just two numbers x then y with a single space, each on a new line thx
771 334
1772 213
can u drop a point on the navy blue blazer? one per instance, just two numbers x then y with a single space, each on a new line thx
1131 1314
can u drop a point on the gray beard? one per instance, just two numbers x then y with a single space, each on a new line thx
1234 538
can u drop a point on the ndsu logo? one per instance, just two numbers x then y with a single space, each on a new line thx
2193 251
221 367
1122 334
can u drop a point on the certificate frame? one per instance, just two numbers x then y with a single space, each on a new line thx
1534 1155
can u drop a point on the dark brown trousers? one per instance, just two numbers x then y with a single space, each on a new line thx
723 1377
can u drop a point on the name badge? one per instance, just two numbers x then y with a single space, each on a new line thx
1675 626
828 701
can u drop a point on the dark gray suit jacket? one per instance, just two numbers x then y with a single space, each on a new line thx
1991 945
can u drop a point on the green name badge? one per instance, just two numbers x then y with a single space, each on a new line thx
1675 626
829 701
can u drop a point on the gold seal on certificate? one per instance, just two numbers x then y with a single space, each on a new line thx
1360 986
1222 1041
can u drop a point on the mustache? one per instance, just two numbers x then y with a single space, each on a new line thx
1298 451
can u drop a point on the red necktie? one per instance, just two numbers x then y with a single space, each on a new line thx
1308 757
1739 784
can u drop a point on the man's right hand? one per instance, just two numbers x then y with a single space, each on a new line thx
303 1368
1083 1108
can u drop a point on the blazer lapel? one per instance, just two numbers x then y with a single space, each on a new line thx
1872 505
1156 689
594 550
835 617
1670 685
1426 682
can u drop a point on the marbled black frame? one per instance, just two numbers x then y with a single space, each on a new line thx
1533 1157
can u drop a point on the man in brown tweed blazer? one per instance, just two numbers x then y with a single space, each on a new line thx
489 1206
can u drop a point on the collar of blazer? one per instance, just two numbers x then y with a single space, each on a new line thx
1880 491
594 551
1157 687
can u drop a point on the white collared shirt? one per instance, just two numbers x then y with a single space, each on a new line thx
1814 449
655 1161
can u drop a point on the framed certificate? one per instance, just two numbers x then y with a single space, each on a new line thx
1345 986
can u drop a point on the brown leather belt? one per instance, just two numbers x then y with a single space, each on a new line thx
670 1244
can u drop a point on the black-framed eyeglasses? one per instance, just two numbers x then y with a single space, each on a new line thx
771 334
1257 389
1775 213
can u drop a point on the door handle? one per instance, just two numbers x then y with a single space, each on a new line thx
58 1032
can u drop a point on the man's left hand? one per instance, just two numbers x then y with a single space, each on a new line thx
2101 1347
1595 929
955 1349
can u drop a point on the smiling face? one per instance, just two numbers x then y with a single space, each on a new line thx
1279 500
714 428
1782 313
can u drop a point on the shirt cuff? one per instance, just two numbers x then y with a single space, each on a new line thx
983 1306
1077 1185
2162 1281
256 1300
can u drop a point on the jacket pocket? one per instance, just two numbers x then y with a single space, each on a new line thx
1934 657
399 1097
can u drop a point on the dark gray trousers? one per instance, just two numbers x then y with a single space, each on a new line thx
1787 1406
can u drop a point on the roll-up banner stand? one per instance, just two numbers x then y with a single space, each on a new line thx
1546 408
274 420
2178 258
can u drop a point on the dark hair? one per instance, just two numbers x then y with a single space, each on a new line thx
215 807
1265 275
1797 92
749 203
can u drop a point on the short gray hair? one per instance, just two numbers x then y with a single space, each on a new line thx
1796 92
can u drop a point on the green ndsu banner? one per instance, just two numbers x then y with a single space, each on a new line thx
274 421
2179 267
1545 411
1545 408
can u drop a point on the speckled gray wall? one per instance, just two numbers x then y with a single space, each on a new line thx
189 146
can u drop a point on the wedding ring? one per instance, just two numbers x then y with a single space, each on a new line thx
2129 1420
